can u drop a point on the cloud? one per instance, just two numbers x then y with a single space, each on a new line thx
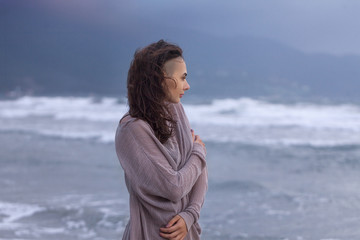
312 26
328 26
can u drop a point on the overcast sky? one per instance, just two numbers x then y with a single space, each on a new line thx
89 43
330 26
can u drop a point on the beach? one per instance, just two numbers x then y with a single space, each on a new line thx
69 185
54 188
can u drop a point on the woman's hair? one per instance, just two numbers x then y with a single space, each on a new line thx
145 85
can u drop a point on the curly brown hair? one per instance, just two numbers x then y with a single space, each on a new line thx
145 85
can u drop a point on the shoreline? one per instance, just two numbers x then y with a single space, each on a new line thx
81 181
42 166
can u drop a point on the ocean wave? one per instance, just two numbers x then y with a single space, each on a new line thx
229 112
86 108
242 120
12 212
251 112
67 217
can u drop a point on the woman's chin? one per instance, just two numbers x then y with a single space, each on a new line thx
174 100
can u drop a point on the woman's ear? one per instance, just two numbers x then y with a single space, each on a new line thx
163 83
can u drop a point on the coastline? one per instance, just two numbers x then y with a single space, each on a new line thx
60 188
40 166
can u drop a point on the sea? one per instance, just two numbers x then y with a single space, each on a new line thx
277 170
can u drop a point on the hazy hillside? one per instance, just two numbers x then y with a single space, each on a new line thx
49 55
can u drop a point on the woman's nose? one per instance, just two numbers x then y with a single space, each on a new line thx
187 86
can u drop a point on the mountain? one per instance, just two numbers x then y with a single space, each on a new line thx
45 54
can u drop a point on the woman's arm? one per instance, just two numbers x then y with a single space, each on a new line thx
147 166
197 195
192 213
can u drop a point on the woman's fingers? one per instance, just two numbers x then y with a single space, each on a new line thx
195 137
170 229
175 230
198 139
173 221
178 234
169 235
178 237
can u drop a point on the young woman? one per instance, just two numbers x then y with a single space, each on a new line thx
163 160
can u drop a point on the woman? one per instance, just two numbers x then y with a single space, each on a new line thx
163 160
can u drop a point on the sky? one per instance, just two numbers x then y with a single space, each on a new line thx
86 45
313 26
328 26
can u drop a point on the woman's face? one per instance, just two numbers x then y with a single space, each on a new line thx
175 79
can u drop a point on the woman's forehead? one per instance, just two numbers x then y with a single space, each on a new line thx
175 65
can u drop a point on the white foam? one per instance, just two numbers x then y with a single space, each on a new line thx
250 112
86 108
242 120
251 121
39 231
14 212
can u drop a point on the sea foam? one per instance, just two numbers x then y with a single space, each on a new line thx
243 120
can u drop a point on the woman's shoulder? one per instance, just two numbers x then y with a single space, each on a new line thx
135 125
178 109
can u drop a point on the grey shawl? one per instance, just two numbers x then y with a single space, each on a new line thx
163 180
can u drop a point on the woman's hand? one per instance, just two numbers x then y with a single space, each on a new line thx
196 138
175 229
